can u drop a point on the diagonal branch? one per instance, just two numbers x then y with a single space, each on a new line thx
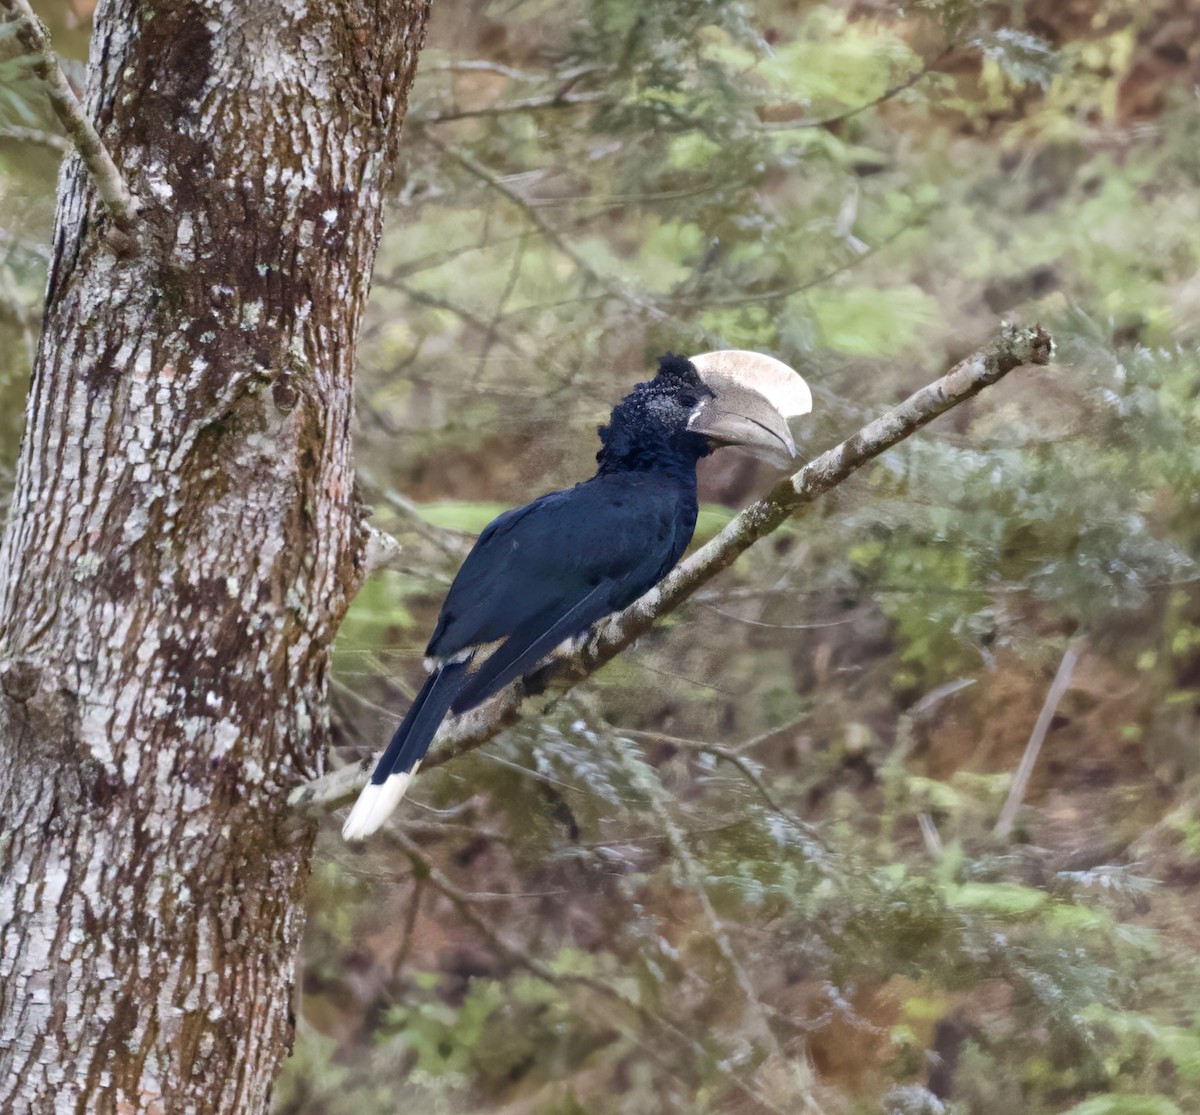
1020 782
528 104
613 287
850 113
32 35
53 140
452 543
752 298
734 758
1010 349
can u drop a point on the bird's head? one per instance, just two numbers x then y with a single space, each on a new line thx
692 406
752 396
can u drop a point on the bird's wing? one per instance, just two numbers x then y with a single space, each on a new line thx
547 571
511 658
466 607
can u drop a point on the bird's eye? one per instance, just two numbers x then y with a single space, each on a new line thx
689 400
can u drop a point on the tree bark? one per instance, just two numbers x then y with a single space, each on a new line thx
184 539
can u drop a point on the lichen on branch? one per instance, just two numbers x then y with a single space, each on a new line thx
31 34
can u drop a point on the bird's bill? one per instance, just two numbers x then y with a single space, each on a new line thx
754 395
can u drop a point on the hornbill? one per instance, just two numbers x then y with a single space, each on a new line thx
544 573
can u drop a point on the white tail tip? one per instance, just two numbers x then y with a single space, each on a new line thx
375 805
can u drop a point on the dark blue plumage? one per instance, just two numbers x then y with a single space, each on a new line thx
545 572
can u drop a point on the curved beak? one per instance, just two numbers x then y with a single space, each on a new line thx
753 397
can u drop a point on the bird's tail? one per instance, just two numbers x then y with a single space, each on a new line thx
403 756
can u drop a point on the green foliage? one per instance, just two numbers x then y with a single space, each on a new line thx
463 515
378 608
1114 1104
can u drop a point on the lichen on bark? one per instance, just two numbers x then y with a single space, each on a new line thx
183 541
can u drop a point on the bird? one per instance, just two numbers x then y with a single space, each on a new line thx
543 574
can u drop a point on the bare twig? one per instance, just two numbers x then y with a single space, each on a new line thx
37 135
433 260
452 543
425 298
736 760
929 833
790 291
850 113
1020 782
478 65
503 108
32 35
1010 349
612 286
893 776
603 201
13 243
514 273
565 80
410 923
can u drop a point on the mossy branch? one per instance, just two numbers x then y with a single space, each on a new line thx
1011 348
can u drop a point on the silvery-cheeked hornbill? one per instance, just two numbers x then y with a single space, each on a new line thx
544 573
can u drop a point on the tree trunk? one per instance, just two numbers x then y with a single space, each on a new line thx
184 540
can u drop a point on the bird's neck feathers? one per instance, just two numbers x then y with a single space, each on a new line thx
647 431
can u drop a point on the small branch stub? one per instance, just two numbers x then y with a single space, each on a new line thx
1011 348
32 35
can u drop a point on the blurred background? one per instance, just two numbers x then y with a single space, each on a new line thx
753 865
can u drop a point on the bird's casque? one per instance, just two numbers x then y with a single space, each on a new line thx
544 573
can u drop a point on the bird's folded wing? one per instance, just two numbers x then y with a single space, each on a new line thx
551 569
526 647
